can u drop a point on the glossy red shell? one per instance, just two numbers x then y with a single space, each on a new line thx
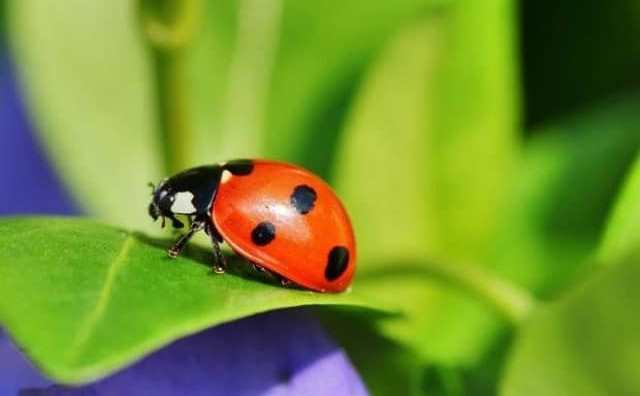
301 249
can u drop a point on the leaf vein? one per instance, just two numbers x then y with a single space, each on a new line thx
87 328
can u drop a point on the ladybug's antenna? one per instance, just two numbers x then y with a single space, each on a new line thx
153 187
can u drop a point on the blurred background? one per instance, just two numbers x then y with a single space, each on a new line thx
498 133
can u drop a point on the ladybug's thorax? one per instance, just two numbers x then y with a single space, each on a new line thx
192 192
189 193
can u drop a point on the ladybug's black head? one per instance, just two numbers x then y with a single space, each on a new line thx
190 193
163 204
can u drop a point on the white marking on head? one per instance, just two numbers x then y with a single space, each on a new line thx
182 203
226 175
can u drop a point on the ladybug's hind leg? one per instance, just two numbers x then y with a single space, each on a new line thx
284 282
264 271
272 275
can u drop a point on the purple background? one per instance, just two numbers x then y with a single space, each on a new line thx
27 183
279 353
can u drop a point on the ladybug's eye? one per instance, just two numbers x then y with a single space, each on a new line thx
153 211
165 200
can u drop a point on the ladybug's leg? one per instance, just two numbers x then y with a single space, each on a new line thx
271 275
175 250
264 271
286 282
219 262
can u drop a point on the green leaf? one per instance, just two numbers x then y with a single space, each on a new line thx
585 344
425 162
84 299
622 233
88 85
570 176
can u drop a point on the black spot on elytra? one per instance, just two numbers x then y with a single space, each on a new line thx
303 198
337 263
239 167
263 234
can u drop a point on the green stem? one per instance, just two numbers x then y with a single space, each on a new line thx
250 70
169 27
512 302
172 110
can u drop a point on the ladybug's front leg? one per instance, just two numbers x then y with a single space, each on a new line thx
175 250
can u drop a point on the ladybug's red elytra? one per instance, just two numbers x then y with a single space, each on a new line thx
282 218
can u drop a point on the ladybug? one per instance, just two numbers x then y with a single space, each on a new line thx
283 219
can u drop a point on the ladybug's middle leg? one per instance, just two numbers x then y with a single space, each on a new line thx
219 263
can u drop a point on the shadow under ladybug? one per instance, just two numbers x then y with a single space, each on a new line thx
236 265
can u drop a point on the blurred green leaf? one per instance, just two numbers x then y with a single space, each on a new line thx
88 84
406 287
585 344
426 159
480 379
622 231
424 326
274 79
570 176
260 78
83 299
